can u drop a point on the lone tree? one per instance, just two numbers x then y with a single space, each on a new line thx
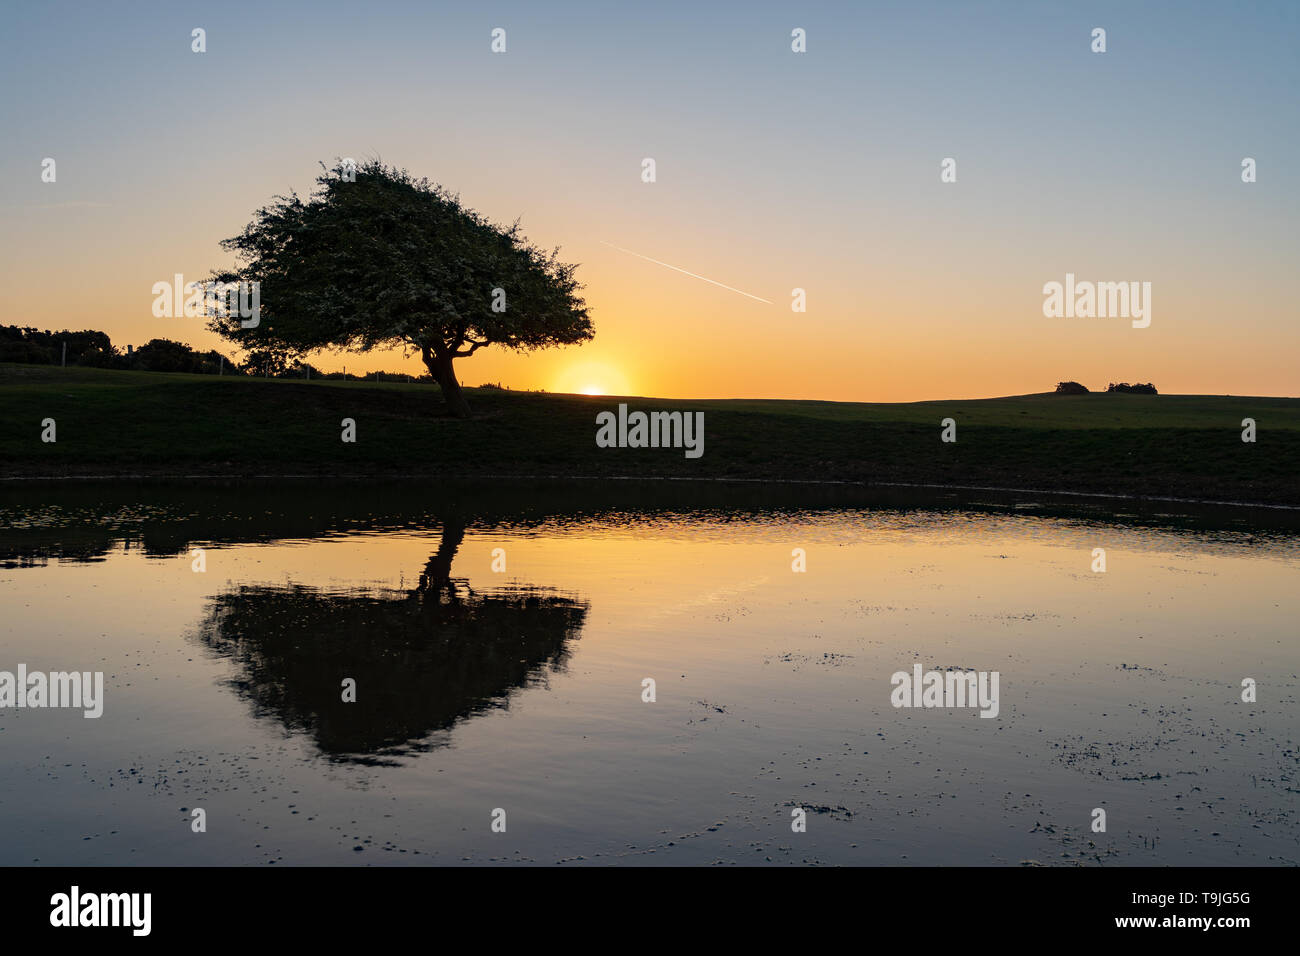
378 259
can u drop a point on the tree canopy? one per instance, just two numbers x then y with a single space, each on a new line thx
375 258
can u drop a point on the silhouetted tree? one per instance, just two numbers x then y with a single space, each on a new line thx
163 355
382 260
1071 388
1125 387
39 347
265 362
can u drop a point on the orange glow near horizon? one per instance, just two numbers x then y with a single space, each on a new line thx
884 321
889 334
588 377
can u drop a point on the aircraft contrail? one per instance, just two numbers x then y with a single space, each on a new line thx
683 271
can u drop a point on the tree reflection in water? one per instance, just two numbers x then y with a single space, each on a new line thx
422 659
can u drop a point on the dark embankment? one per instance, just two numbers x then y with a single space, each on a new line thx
136 423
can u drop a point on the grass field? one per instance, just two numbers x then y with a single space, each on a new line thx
141 423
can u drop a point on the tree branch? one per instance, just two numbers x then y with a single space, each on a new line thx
473 347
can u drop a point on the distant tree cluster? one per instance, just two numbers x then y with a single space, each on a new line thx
164 355
1125 387
1074 388
37 347
95 350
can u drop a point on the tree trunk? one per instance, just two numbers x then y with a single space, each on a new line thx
437 572
440 368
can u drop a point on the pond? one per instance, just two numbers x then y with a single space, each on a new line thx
643 673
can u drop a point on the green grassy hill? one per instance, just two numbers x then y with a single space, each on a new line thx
117 423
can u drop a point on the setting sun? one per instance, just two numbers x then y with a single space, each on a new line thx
592 377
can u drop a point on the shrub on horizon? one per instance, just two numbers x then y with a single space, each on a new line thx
1127 389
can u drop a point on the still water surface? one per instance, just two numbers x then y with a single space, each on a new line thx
522 689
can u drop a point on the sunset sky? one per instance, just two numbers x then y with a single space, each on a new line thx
775 170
